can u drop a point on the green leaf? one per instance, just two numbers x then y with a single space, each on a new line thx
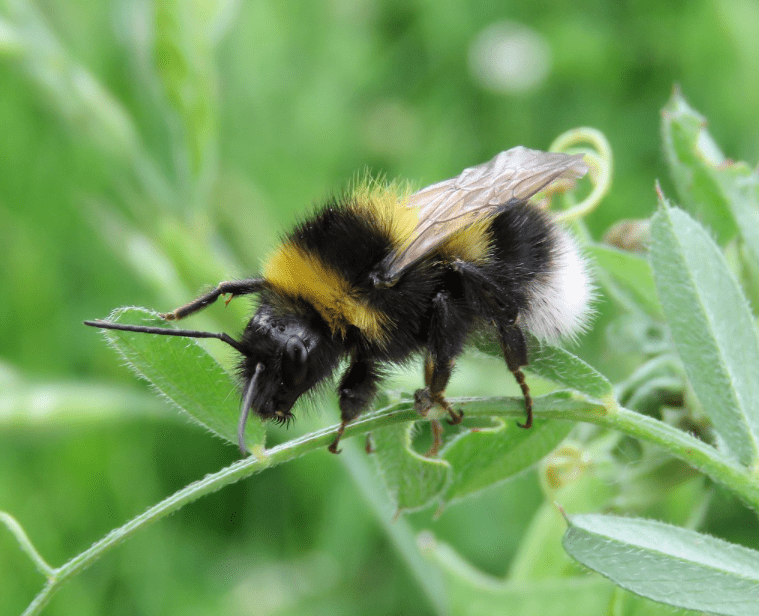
11 42
631 271
749 277
560 366
657 382
740 185
472 592
185 373
712 327
68 88
693 156
412 480
480 458
571 477
725 195
627 604
668 564
183 60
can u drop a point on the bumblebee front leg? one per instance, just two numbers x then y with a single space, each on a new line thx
232 288
514 350
357 389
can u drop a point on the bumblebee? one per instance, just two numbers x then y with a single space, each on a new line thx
380 275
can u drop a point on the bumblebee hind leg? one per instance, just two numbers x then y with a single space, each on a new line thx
493 304
514 350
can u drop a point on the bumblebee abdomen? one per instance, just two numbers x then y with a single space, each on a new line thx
540 268
472 243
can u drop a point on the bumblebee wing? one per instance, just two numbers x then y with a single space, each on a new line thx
477 193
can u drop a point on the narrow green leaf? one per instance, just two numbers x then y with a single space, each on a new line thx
11 42
749 277
560 366
740 185
185 373
627 604
412 481
67 87
64 401
183 59
480 458
570 478
472 592
668 564
725 195
693 156
631 271
659 381
712 327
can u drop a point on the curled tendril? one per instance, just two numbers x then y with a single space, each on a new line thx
600 163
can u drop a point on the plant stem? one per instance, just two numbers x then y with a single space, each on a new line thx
26 545
559 405
696 453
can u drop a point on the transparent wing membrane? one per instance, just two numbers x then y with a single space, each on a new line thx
477 193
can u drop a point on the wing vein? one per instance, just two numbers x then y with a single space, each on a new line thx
474 195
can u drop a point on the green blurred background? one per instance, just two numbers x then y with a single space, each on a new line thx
149 149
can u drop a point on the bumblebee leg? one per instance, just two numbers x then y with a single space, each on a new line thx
489 301
333 447
434 393
448 331
357 388
423 401
514 350
233 288
437 438
436 377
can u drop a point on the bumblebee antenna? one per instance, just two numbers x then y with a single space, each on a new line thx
165 331
247 402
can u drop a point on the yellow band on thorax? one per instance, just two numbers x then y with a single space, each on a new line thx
296 273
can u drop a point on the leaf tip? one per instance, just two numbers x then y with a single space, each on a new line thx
563 513
662 200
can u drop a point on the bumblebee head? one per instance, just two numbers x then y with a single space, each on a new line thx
285 356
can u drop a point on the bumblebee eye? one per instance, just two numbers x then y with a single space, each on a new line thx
294 362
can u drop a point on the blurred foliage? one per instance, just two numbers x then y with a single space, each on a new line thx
149 149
